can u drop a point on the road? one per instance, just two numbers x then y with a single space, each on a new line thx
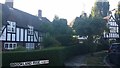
80 61
76 61
107 62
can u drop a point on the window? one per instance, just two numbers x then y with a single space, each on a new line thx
11 27
14 46
30 30
40 39
10 46
30 45
6 46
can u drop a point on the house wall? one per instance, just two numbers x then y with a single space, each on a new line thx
21 36
113 29
112 25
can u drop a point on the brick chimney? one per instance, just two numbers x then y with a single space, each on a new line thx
9 3
39 13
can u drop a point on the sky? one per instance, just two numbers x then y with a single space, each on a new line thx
68 9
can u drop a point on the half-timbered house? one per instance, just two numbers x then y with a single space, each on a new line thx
113 28
20 28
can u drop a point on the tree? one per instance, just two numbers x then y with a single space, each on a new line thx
83 15
93 27
119 6
62 32
59 33
90 27
46 27
50 41
60 27
0 19
56 17
117 17
100 8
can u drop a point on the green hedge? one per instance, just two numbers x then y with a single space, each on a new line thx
53 55
56 56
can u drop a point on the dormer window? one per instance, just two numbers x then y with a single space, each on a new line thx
11 27
30 30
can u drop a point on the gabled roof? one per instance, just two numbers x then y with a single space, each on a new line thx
112 19
45 20
109 18
21 18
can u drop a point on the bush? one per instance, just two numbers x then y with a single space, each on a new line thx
20 48
66 40
55 55
50 41
103 45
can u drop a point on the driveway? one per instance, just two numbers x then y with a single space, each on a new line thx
76 61
107 62
80 60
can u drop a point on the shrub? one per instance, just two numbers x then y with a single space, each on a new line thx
66 40
20 48
55 55
50 41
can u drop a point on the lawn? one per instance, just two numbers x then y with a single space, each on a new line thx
96 59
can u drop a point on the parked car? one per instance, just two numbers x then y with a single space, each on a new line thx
114 53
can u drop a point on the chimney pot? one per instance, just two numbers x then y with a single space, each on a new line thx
39 13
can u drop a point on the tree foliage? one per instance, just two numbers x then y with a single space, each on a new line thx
90 26
117 17
119 5
50 41
100 9
47 27
60 27
59 33
62 32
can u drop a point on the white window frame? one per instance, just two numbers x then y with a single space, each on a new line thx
8 46
40 39
30 46
30 30
12 25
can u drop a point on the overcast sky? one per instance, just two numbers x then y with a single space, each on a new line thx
67 9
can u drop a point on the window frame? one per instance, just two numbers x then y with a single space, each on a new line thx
10 46
11 27
30 30
5 46
30 45
40 38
